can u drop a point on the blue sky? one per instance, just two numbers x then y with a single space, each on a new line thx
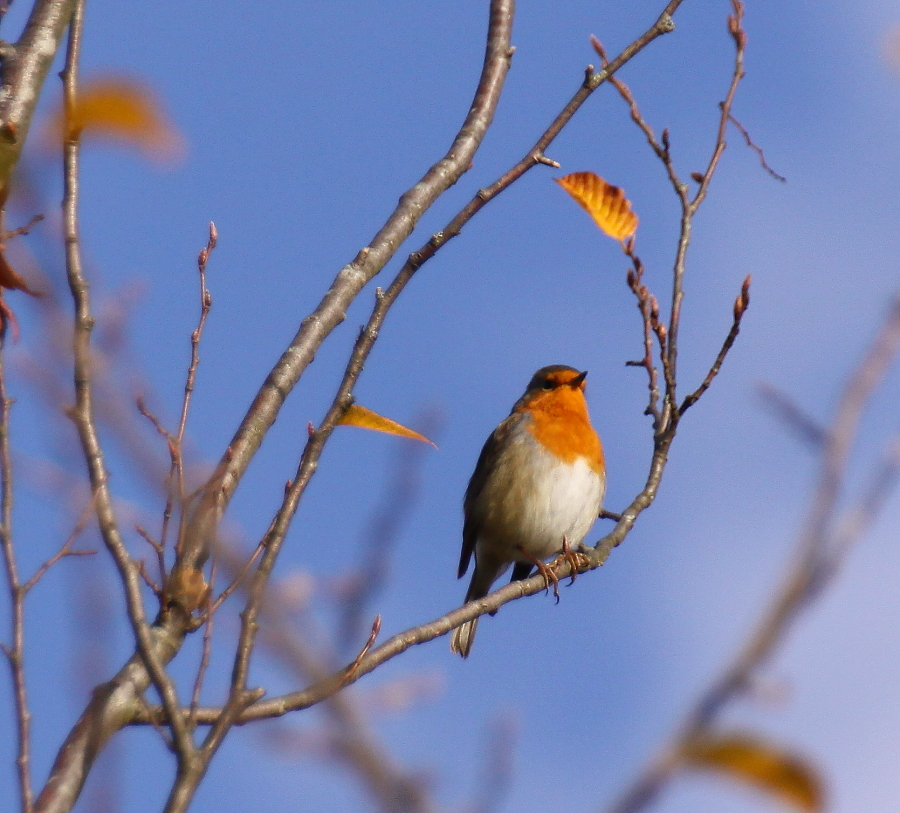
303 124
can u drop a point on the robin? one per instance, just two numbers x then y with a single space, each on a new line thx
537 488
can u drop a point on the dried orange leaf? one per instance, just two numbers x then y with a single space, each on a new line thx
605 203
358 415
123 109
761 764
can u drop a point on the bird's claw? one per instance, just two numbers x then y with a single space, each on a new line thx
550 577
576 560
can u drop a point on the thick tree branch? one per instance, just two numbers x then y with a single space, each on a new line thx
25 66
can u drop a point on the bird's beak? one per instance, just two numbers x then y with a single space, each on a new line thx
578 381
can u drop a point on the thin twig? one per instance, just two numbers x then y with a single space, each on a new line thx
740 308
668 334
174 455
160 550
758 150
373 635
649 310
15 652
156 588
22 230
735 28
236 582
63 552
177 473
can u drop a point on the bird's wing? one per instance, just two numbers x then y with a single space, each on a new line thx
489 452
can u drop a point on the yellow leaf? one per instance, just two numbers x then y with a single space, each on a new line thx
605 203
761 764
358 415
123 109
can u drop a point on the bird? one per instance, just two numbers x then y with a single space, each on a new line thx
536 490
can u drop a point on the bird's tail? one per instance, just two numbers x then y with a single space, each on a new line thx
462 637
482 579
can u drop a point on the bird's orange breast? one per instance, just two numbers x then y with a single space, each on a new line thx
560 422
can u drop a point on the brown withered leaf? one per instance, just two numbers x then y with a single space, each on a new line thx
761 764
121 108
358 415
605 203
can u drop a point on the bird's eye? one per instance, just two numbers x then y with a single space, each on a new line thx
548 385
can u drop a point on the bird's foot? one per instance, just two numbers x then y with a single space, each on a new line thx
549 576
575 558
546 572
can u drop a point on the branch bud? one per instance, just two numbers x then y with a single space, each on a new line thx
743 300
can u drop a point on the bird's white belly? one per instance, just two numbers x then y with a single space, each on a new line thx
527 516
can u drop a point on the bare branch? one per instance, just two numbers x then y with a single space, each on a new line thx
758 150
649 309
15 652
821 547
160 557
238 581
63 552
740 44
23 230
372 258
24 68
740 307
176 474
